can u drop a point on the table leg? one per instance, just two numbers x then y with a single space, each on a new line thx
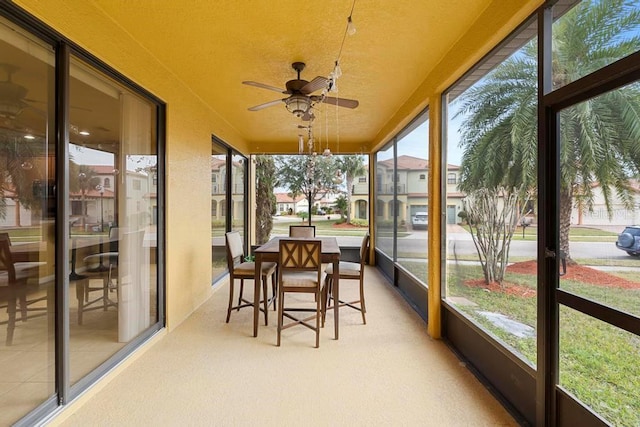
73 275
256 293
336 291
101 267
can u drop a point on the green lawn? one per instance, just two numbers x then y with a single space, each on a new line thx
598 363
323 226
576 234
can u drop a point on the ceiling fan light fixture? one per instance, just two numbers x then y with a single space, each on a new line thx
297 104
10 110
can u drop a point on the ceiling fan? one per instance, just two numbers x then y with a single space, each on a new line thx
300 91
13 97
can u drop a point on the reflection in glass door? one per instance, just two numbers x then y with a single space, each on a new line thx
27 223
113 163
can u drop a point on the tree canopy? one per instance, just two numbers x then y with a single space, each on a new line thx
599 138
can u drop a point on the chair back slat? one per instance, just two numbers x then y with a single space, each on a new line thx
306 231
235 249
300 254
364 249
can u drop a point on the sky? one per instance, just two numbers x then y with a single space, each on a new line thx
89 156
416 143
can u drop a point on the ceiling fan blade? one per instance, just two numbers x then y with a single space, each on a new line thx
341 102
266 104
264 86
314 85
71 106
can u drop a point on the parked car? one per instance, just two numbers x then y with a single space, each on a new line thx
420 220
629 240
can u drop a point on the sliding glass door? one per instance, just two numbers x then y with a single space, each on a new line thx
81 186
27 219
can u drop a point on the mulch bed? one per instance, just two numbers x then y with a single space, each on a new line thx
575 272
345 225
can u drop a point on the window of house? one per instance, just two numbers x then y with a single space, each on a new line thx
385 202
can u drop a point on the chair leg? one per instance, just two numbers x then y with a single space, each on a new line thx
231 284
274 290
363 308
241 293
80 293
325 292
318 314
105 293
280 313
11 322
265 300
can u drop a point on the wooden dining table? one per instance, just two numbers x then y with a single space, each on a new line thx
27 252
269 252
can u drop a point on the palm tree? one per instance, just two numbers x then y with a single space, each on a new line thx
19 171
599 138
82 178
352 166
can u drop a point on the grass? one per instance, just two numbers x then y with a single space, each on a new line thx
576 234
324 227
598 362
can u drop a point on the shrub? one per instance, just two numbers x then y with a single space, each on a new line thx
360 222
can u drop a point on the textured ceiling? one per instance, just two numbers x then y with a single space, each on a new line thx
214 46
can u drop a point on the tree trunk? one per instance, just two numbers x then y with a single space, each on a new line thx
566 198
493 216
349 186
18 221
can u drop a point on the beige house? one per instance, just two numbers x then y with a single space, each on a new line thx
411 189
599 214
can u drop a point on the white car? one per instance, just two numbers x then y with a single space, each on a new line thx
420 220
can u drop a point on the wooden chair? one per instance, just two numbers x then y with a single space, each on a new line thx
106 272
300 271
243 270
15 287
348 271
306 231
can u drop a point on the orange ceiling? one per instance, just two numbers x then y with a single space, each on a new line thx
212 46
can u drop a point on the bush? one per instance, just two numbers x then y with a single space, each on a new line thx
360 222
